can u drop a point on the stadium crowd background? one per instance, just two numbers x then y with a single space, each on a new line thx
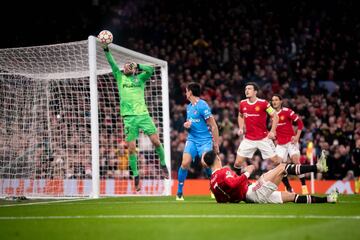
307 51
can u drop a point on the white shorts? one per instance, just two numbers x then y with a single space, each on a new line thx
263 192
287 149
248 147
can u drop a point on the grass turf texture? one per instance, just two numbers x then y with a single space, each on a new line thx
164 218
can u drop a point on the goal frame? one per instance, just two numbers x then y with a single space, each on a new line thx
93 70
92 41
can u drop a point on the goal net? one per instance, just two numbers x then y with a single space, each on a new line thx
61 131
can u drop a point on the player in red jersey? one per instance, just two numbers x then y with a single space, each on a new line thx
287 140
253 113
252 116
228 187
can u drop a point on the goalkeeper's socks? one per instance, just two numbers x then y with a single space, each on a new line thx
208 172
182 173
297 169
133 164
160 152
309 199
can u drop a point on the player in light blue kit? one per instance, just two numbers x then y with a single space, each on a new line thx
203 134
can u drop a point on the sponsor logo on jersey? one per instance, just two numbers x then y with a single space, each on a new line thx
251 115
195 120
131 85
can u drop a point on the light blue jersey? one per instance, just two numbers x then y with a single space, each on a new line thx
199 135
199 141
198 114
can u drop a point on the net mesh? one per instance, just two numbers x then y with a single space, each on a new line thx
45 119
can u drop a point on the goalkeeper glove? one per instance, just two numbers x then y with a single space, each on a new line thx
133 65
105 47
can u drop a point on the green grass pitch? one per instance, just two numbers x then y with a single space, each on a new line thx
163 218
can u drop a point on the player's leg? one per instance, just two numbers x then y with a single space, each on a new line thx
132 133
275 175
295 158
246 150
297 169
149 128
202 148
265 189
284 197
268 150
188 155
331 198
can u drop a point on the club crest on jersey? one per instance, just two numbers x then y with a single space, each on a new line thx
136 80
195 112
282 118
228 174
257 108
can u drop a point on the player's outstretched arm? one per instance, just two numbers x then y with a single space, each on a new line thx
146 73
114 67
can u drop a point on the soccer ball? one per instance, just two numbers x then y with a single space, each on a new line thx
105 37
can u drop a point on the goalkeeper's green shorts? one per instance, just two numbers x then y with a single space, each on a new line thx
133 124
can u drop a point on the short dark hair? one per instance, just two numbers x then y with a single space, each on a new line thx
194 88
209 158
254 84
277 95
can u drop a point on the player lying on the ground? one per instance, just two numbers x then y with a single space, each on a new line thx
227 186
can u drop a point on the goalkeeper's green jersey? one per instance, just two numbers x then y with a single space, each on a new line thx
131 88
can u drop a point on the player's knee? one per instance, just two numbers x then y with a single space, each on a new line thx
185 165
156 143
155 140
186 161
281 168
239 162
295 159
132 148
277 160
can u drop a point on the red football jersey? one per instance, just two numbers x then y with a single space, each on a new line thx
284 129
255 118
227 186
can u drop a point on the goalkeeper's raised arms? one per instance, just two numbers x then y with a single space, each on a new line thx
48 147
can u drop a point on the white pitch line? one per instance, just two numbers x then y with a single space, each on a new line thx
49 202
103 203
214 216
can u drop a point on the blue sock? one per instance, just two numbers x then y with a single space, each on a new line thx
208 172
182 173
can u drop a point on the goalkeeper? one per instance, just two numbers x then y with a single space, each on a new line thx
134 111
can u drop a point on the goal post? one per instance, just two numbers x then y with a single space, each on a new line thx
62 133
